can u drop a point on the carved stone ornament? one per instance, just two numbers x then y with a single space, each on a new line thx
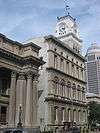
13 74
21 76
29 74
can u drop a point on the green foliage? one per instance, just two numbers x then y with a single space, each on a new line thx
94 113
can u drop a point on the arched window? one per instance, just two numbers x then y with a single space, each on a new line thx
69 89
74 115
69 115
67 67
77 72
56 83
78 92
74 91
84 116
79 116
73 70
56 114
55 61
61 64
83 94
62 91
62 114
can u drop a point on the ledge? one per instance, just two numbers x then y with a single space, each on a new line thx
55 99
53 69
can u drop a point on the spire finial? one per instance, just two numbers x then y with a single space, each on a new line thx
67 8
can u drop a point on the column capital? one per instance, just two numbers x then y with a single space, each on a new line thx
29 75
13 74
21 76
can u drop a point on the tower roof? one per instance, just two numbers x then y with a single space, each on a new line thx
66 17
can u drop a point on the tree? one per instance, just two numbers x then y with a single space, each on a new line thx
94 113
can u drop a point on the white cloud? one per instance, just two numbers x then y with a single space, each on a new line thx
25 18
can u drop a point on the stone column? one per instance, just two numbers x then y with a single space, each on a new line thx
12 100
51 114
20 96
28 111
34 101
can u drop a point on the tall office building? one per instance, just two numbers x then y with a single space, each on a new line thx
93 69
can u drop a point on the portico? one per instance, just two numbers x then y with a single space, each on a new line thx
18 82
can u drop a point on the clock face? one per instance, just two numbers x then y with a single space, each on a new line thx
62 28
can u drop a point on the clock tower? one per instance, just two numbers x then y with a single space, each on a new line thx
67 31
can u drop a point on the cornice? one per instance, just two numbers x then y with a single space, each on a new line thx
61 72
33 45
9 40
53 99
21 45
21 61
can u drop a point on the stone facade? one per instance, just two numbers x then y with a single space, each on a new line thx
62 79
18 82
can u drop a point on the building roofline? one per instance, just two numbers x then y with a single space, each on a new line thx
62 44
18 43
32 44
10 40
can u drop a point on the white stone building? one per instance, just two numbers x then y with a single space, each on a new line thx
62 82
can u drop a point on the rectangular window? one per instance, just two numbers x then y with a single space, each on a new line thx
55 114
62 114
67 67
82 74
69 115
62 64
77 72
55 61
73 70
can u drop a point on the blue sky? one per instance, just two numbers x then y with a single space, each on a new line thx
24 19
